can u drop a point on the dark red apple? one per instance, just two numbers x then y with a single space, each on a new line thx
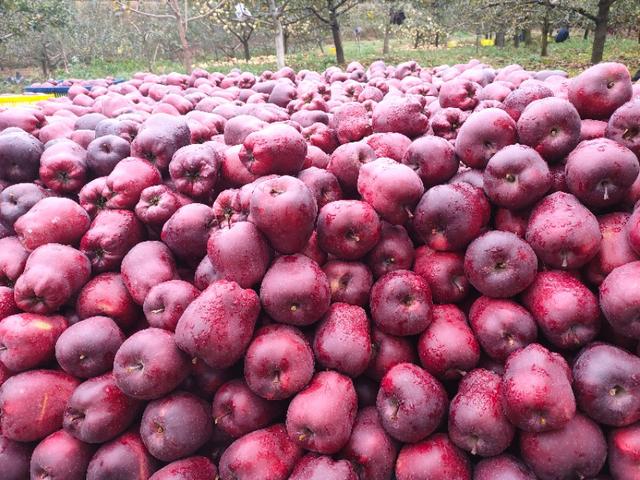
60 456
435 458
217 326
107 295
600 90
536 390
86 349
104 153
279 362
123 457
166 302
98 410
620 300
295 290
321 416
149 365
433 159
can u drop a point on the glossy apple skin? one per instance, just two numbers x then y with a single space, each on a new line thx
616 248
351 122
600 172
166 302
446 122
411 403
500 264
444 272
277 148
111 235
190 468
217 326
350 282
107 295
501 326
536 390
433 159
187 230
33 402
295 290
551 126
346 161
600 90
323 185
17 199
321 416
400 115
321 467
52 220
562 232
123 457
14 459
624 452
157 204
20 154
392 188
370 449
63 167
425 460
578 449
159 137
195 169
516 177
342 340
401 303
564 308
482 135
619 301
53 274
28 340
623 126
280 201
448 348
502 467
175 426
518 99
237 410
449 217
60 456
279 362
267 454
127 180
477 423
607 385
98 410
459 93
104 153
146 265
148 365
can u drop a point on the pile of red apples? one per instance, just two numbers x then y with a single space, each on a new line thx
392 272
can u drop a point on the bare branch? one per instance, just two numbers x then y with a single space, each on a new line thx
317 14
146 14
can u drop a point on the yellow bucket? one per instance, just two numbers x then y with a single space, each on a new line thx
22 100
452 44
487 42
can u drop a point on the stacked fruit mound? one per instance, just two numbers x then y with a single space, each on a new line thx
385 273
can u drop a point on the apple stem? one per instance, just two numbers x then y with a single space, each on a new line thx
565 263
606 192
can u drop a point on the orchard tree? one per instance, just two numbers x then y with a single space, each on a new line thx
330 12
239 20
181 13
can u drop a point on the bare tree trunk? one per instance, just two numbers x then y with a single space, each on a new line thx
181 23
437 39
600 33
545 34
586 33
528 39
387 34
279 34
245 47
416 40
516 39
335 32
500 41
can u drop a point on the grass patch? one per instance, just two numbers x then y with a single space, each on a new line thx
573 56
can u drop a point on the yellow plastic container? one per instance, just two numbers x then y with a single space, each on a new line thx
487 42
452 44
23 100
